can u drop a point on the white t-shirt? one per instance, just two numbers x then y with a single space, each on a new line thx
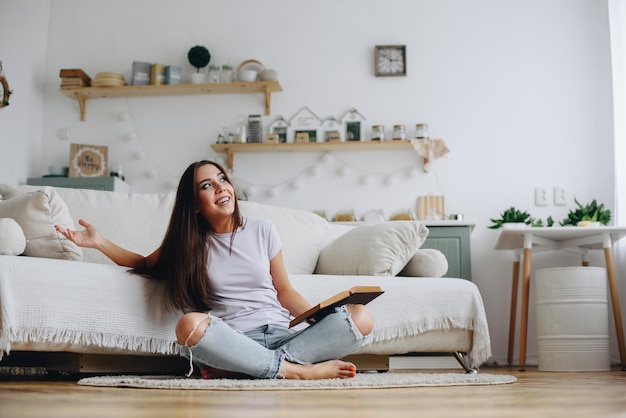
242 291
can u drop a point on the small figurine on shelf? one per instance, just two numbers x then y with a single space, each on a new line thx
118 172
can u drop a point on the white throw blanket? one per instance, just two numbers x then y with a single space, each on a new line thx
59 305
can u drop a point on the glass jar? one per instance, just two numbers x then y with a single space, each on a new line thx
227 75
378 133
399 132
421 131
214 74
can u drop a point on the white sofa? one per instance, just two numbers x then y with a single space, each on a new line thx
58 298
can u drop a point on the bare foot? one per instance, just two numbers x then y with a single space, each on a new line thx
326 370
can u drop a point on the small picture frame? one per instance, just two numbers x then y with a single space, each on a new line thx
88 160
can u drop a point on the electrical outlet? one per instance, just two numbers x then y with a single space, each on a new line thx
560 198
541 196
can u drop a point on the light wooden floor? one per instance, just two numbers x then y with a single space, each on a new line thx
536 394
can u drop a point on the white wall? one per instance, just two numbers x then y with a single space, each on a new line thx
519 90
23 43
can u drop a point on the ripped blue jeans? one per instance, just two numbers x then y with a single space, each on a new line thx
260 352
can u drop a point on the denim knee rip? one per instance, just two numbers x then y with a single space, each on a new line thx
195 327
270 370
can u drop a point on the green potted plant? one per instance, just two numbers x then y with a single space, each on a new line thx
512 215
198 56
586 215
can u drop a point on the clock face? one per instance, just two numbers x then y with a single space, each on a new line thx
390 60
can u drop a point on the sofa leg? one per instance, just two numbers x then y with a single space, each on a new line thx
460 357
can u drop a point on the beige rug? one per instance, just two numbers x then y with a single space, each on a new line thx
361 381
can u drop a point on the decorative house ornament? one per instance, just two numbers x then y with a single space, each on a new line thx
271 138
4 88
280 127
331 130
305 121
302 137
430 149
333 137
88 160
390 60
352 123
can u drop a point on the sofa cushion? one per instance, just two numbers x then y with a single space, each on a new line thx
12 239
373 250
300 232
426 262
135 221
37 212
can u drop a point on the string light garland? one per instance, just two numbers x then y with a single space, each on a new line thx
141 155
258 191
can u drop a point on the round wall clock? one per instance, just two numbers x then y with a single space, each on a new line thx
390 60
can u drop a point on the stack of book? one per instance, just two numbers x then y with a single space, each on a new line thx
74 78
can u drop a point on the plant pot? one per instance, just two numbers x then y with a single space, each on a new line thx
508 225
197 78
588 223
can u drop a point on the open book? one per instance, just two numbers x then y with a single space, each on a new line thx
355 295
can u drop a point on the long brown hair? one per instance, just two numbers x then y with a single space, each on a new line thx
182 261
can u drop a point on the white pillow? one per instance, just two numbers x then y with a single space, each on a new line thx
12 239
36 213
300 232
373 250
427 262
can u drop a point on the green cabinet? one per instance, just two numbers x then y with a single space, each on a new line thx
452 238
111 184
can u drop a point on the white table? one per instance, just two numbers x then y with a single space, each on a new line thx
579 240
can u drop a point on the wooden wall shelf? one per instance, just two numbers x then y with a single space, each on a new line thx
231 149
83 93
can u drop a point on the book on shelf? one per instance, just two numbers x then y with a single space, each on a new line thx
141 73
173 74
157 74
75 73
72 82
355 295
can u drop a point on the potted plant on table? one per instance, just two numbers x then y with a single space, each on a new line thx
198 56
587 215
512 216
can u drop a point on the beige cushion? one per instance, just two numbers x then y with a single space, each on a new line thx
373 250
134 221
36 213
427 262
12 239
300 232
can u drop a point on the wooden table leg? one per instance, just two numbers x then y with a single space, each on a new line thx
524 308
617 315
512 318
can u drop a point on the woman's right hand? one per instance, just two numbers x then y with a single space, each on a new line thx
88 237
